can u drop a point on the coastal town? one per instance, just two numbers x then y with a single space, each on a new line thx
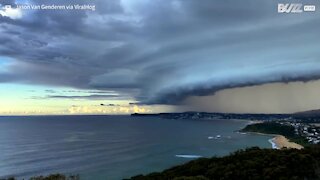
309 131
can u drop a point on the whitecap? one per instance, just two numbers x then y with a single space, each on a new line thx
274 146
188 156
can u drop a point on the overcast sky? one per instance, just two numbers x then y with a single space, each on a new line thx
161 55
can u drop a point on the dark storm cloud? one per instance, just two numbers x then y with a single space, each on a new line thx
88 97
160 52
93 96
110 105
4 77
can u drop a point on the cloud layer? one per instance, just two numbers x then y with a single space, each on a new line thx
160 52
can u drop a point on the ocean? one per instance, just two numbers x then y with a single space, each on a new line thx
113 147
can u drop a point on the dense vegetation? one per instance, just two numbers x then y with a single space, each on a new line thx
253 163
276 128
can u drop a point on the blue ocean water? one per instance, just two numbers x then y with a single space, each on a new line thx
112 147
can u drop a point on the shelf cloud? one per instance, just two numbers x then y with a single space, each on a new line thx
160 52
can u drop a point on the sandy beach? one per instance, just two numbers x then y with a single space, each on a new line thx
282 142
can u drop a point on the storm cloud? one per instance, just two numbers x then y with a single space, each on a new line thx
160 52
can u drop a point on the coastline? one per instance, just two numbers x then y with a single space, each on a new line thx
279 141
274 145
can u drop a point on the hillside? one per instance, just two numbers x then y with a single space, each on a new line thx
276 128
311 113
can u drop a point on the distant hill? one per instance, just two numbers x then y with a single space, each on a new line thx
311 113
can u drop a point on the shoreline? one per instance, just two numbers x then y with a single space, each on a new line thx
279 141
274 145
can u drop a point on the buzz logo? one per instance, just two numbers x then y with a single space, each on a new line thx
290 8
